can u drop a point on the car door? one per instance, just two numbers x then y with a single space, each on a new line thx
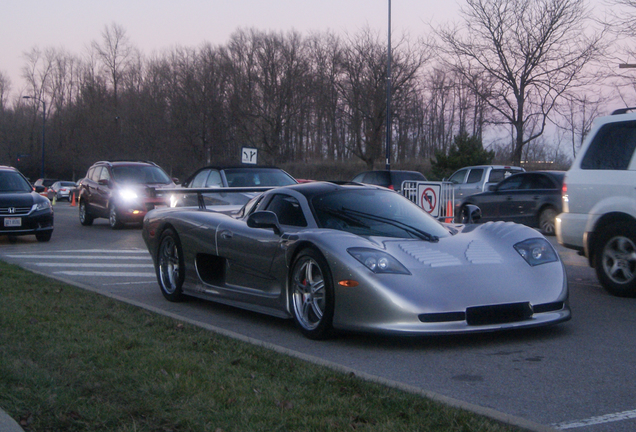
498 203
534 191
249 253
516 198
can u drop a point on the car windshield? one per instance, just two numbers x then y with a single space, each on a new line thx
375 213
250 177
140 174
13 182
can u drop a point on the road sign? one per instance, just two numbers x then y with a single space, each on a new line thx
429 197
249 155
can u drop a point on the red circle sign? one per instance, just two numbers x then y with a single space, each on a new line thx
429 200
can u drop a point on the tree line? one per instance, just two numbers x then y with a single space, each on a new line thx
510 70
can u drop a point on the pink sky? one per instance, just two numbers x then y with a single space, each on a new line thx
156 25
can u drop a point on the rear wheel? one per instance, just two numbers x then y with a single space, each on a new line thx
312 295
85 217
546 220
615 259
170 267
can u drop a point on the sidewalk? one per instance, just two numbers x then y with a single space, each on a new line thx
7 424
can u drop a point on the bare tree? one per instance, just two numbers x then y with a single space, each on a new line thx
534 50
5 88
115 53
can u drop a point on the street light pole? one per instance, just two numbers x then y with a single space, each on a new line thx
43 129
388 98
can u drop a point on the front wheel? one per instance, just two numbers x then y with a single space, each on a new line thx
615 259
113 218
312 295
43 236
85 217
546 221
170 267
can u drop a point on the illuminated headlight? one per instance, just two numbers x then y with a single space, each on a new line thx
44 205
536 251
128 195
378 261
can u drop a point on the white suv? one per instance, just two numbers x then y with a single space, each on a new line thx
599 203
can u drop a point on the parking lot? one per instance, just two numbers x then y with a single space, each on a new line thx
575 376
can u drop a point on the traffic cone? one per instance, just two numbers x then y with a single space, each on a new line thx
73 204
449 212
54 199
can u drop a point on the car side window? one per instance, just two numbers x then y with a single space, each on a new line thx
214 179
199 180
104 175
512 183
475 175
612 147
458 177
288 210
540 182
96 173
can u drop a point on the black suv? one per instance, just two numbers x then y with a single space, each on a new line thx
122 191
22 210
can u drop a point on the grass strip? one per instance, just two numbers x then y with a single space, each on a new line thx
73 360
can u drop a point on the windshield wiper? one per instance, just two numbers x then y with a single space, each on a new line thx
421 234
342 214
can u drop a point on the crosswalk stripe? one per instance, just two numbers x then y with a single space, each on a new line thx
99 257
100 265
105 274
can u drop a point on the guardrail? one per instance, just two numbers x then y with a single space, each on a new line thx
437 198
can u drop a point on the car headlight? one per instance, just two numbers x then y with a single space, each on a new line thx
536 251
43 205
378 261
128 194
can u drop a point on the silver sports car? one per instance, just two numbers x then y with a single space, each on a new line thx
361 258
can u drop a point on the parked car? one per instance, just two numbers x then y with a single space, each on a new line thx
239 176
599 202
46 183
530 198
122 191
22 210
61 190
476 179
389 179
358 257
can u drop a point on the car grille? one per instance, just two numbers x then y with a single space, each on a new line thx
495 314
14 211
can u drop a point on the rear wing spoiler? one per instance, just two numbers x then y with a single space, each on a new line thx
200 192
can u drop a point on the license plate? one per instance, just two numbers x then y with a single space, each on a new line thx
12 222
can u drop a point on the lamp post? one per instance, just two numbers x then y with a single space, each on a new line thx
43 128
388 97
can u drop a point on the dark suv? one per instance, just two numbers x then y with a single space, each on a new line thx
122 191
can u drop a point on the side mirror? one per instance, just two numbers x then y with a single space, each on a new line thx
104 182
470 214
492 188
264 219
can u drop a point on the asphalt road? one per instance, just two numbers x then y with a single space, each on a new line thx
577 376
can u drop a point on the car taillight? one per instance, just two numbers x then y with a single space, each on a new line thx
564 189
391 187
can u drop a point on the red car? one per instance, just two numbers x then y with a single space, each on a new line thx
122 191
